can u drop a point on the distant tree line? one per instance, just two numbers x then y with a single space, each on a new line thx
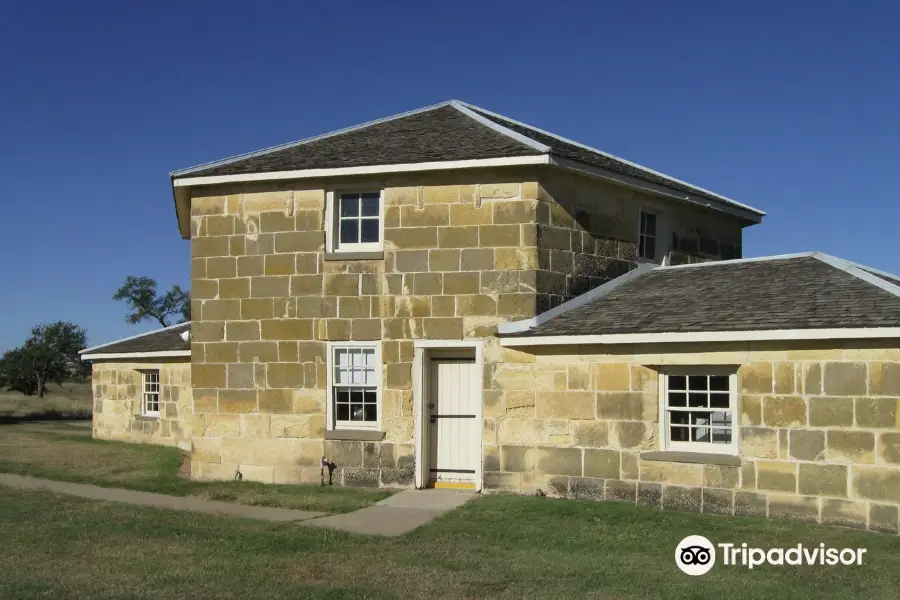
50 354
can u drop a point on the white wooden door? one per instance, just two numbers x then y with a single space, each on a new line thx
454 448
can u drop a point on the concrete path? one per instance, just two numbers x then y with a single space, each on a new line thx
187 503
399 514
396 515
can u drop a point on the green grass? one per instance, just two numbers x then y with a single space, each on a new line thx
65 453
494 547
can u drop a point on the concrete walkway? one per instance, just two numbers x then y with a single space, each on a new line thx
393 516
399 514
152 500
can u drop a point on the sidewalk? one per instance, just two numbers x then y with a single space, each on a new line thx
393 516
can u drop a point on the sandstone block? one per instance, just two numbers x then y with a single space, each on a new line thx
237 401
877 412
845 379
680 498
850 446
611 376
750 505
812 378
571 405
876 483
844 513
889 447
721 476
671 473
823 480
830 412
884 378
604 464
558 461
883 518
784 411
776 476
622 491
807 444
794 508
756 378
759 442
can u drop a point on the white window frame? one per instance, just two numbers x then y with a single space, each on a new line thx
658 236
331 421
666 443
147 391
332 221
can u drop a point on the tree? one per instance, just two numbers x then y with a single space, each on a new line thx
49 355
17 372
140 294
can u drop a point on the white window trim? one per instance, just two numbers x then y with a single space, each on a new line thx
662 234
144 393
332 233
330 421
699 447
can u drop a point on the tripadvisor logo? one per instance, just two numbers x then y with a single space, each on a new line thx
696 555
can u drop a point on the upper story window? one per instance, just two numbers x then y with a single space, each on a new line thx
354 386
647 236
150 393
356 221
697 410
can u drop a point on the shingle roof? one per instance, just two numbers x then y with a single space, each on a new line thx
810 291
450 131
161 340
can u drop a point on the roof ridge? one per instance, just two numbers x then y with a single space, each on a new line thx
613 157
523 139
714 263
134 337
316 138
859 272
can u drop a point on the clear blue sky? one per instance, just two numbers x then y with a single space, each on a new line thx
788 106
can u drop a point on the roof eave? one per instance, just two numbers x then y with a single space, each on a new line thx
690 337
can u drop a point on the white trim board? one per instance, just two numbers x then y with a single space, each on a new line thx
134 337
761 335
541 159
157 354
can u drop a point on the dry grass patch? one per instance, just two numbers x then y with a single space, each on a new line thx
66 401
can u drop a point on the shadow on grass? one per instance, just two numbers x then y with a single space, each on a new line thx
50 414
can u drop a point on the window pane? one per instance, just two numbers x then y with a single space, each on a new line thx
370 397
349 231
679 418
697 382
649 248
356 357
718 383
677 382
698 400
718 400
370 204
370 412
700 434
343 412
349 205
342 395
678 399
369 358
649 223
699 418
721 436
369 231
678 434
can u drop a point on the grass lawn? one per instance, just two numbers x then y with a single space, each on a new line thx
66 453
494 547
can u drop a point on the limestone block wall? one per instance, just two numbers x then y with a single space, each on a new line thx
117 403
819 436
460 256
587 233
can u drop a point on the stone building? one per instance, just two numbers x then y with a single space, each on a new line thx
448 297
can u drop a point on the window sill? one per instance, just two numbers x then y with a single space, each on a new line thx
362 435
146 417
693 457
370 255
